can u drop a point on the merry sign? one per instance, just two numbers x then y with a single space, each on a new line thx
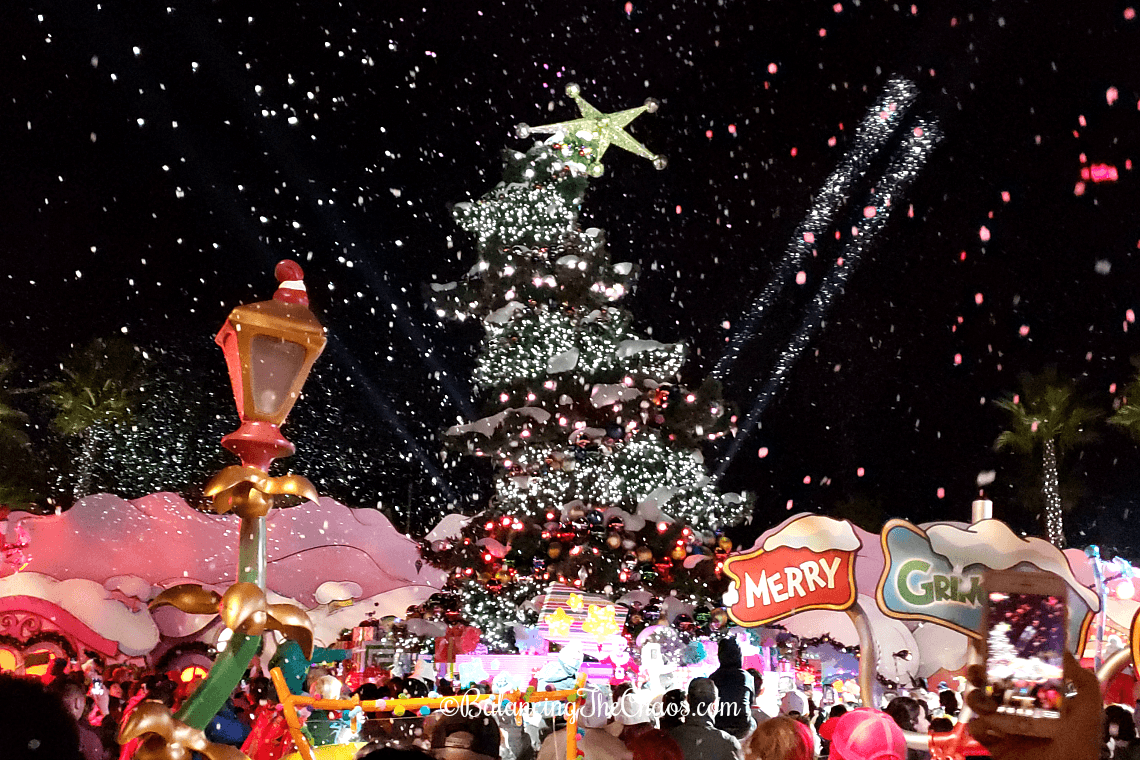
808 566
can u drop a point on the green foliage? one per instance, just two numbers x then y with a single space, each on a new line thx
1048 408
100 386
1127 417
22 480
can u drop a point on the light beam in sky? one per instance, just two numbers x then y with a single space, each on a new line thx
906 162
882 120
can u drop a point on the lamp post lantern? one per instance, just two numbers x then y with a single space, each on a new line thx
269 346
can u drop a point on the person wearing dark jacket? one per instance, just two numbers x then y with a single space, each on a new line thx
735 690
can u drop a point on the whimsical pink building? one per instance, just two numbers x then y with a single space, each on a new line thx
93 569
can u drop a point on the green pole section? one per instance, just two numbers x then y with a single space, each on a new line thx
231 664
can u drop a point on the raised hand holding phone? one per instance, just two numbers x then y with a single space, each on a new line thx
1025 638
1082 718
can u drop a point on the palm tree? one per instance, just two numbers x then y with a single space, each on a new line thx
1050 419
1128 415
99 390
16 455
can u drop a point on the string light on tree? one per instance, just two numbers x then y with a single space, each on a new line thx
597 444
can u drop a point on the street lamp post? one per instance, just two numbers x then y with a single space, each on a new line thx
269 346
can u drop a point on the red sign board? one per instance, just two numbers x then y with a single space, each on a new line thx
771 585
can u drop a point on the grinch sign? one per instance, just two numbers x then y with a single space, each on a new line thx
935 574
808 565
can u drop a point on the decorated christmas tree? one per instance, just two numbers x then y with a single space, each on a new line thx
600 482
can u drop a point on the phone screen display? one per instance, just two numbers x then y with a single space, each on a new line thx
1025 653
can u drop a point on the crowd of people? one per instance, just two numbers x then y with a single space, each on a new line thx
74 712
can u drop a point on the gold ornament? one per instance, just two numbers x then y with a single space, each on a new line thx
555 550
596 131
166 738
613 540
248 491
724 542
644 554
679 553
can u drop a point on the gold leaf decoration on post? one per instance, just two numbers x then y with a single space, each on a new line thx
244 609
189 598
248 491
166 738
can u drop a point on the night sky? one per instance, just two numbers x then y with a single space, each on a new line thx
157 160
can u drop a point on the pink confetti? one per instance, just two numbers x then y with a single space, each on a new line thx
790 504
708 133
859 472
838 7
869 211
831 142
1005 196
941 493
962 256
978 298
809 237
1103 173
763 452
1111 94
984 232
957 359
839 261
732 129
1023 330
822 32
628 8
794 151
1130 13
1112 388
1081 120
910 211
1079 188
801 277
773 68
807 480
918 132
1130 316
678 209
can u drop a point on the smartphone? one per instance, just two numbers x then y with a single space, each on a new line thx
1026 631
